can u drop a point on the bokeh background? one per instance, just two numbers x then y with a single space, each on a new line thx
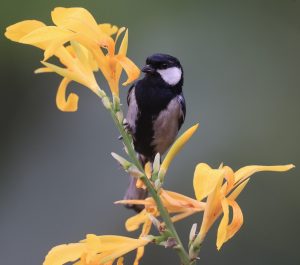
242 83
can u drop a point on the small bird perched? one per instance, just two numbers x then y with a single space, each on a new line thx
156 111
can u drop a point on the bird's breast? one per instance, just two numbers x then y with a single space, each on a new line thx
166 126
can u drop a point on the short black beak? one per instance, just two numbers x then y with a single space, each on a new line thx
148 69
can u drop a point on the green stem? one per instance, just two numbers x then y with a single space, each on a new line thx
184 257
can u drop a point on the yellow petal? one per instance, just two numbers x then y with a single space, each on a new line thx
64 253
134 222
140 184
17 31
105 242
120 31
43 70
237 219
122 51
61 16
59 70
212 209
181 216
233 195
132 71
79 20
222 230
71 103
176 202
229 176
47 35
148 170
225 230
125 248
146 228
87 79
246 172
176 147
52 48
139 255
81 53
109 29
138 202
205 180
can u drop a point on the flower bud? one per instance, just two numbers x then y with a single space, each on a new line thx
193 232
101 93
120 116
122 161
106 102
156 164
157 184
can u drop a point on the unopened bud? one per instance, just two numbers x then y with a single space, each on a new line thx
161 174
193 232
116 101
120 116
157 184
106 102
156 164
122 161
101 93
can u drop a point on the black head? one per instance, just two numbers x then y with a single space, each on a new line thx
166 66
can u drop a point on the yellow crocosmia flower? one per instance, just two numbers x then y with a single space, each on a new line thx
94 36
176 147
221 187
94 250
79 63
177 204
77 25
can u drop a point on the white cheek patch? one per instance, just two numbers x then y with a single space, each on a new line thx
171 75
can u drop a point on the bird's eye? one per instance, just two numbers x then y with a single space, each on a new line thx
164 65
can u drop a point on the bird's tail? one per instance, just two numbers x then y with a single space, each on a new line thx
134 193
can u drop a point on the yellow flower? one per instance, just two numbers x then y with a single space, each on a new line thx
94 250
92 48
77 59
178 204
221 187
94 36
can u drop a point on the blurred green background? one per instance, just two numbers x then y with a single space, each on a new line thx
242 80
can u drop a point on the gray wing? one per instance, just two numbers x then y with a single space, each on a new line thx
181 101
132 112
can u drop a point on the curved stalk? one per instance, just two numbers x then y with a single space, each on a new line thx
184 257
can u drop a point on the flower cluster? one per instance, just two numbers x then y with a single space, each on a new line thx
83 47
95 250
220 187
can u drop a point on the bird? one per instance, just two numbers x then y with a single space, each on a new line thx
156 112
